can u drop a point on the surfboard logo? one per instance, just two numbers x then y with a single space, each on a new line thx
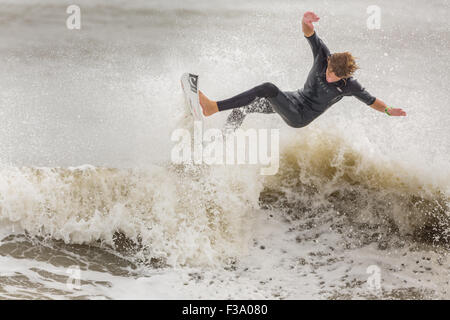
193 82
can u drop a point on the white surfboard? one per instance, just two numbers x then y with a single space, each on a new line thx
189 83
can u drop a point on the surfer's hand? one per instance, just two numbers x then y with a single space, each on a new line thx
382 107
309 17
396 112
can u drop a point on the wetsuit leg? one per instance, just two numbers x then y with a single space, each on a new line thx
292 113
264 90
237 116
288 110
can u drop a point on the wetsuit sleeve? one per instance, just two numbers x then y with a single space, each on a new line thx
317 45
361 94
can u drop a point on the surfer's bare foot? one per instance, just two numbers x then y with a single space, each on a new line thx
209 107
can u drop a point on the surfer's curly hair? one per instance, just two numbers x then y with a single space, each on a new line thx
342 64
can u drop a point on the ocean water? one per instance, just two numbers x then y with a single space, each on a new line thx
92 207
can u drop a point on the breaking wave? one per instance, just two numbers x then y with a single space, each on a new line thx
321 174
202 215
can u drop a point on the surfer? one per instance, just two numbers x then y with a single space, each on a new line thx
329 80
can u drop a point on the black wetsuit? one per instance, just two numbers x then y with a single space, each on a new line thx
297 108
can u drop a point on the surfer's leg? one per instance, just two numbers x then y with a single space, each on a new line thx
237 116
235 119
264 90
292 113
209 107
282 103
260 105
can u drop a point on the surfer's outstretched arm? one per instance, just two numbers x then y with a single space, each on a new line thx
382 107
308 18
